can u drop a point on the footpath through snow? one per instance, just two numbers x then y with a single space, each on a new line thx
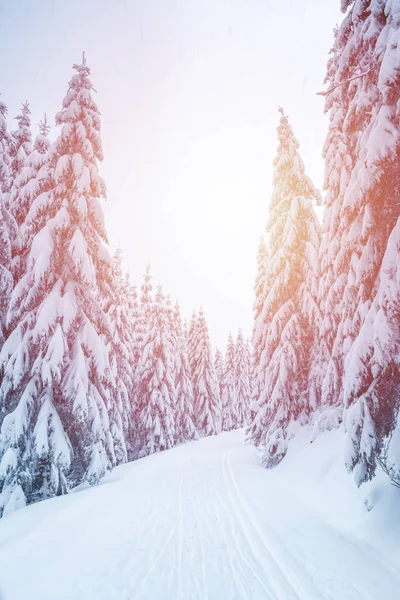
205 522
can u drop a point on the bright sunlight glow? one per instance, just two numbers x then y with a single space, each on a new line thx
188 92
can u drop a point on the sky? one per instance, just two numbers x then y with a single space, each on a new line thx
188 91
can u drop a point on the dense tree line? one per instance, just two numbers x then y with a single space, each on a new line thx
327 323
91 373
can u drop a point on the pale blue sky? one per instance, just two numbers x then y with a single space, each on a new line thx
188 91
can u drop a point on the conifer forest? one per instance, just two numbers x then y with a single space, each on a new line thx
153 447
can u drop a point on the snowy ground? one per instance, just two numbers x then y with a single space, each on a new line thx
205 521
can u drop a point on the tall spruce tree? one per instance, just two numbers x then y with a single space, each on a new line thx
192 334
8 228
372 381
242 379
219 369
55 432
359 281
156 389
207 409
229 409
141 324
20 141
5 176
120 356
258 339
142 320
361 178
282 369
32 180
184 426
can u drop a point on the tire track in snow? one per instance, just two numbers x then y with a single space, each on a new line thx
300 583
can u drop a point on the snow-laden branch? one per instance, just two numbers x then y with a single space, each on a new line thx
327 92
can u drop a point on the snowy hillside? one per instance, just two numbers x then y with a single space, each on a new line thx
205 521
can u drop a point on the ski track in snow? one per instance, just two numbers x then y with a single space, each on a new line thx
200 522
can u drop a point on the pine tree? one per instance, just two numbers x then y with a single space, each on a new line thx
184 426
55 432
5 176
120 356
282 370
131 299
32 181
242 379
230 415
192 341
361 179
142 319
219 369
372 382
20 141
258 340
207 409
8 233
141 324
8 229
359 282
156 390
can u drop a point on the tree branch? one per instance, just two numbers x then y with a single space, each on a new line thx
328 91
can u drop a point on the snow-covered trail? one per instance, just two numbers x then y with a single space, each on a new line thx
202 521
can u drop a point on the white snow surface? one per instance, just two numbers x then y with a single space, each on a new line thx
205 521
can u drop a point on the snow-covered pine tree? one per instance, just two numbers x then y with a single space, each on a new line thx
292 227
55 432
183 410
156 390
31 181
8 228
173 324
360 280
141 324
131 298
207 409
250 354
361 178
242 379
20 141
5 176
219 369
229 409
372 380
120 357
258 336
8 233
142 319
192 334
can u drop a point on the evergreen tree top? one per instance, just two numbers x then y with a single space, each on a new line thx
44 127
24 117
230 352
289 175
160 297
42 143
3 109
21 140
81 117
147 287
118 257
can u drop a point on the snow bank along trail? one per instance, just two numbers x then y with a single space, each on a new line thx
205 521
